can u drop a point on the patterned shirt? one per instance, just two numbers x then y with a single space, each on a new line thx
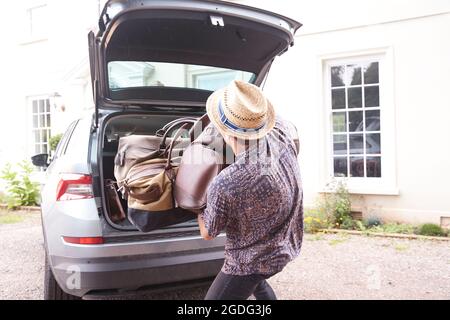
257 200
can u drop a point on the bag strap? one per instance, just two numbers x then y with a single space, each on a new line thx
184 121
168 126
172 143
198 127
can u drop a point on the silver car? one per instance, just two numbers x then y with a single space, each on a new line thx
151 62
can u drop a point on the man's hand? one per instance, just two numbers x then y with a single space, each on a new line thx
203 231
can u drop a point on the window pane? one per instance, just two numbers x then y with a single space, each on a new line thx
354 97
47 105
373 166
35 106
340 167
49 124
353 75
373 144
340 143
44 148
41 106
42 120
372 120
355 121
356 166
39 21
127 74
338 98
37 149
356 132
337 76
212 81
44 135
35 121
339 122
371 73
356 144
37 138
372 96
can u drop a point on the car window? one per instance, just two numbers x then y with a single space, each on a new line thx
129 74
77 145
60 149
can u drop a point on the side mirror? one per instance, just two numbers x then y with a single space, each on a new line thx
40 160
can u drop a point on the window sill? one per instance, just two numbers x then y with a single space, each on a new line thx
375 191
382 191
365 186
32 41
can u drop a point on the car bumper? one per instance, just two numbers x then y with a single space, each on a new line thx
79 276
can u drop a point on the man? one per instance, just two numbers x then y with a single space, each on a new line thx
257 200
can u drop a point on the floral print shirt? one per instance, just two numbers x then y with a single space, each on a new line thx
257 201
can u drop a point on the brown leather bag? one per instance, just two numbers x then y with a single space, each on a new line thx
114 206
201 162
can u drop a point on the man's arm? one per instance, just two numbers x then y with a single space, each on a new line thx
213 219
203 231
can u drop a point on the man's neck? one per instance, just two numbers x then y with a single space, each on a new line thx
238 148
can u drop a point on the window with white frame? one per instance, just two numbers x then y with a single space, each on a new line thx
41 124
354 91
37 22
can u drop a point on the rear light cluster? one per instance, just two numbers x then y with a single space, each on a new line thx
74 186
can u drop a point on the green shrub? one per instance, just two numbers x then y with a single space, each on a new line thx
431 229
21 191
348 223
359 225
315 220
372 221
393 228
335 204
54 140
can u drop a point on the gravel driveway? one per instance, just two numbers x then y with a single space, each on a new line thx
330 267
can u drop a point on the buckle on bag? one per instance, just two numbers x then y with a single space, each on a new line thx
160 132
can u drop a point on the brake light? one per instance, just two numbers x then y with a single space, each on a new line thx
73 187
84 240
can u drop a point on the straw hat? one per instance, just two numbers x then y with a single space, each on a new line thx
241 110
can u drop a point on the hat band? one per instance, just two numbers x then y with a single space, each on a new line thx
225 121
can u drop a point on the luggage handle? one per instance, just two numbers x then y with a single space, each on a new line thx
171 123
184 121
169 126
172 143
201 122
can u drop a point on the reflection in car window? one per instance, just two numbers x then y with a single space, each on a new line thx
77 142
60 149
127 74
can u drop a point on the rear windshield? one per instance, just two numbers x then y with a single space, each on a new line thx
129 74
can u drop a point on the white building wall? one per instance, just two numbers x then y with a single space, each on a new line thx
413 35
43 66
